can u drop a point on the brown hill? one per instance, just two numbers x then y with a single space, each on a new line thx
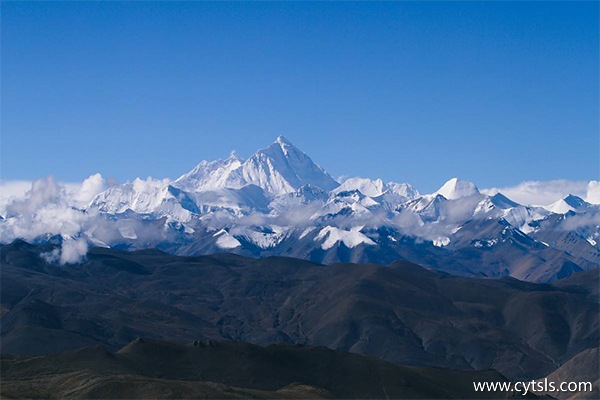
584 367
154 369
401 312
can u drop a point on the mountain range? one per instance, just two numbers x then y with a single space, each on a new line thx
401 312
279 202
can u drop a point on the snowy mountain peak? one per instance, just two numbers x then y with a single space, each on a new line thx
280 168
209 174
568 203
368 187
456 188
403 190
233 156
280 145
283 168
500 200
283 147
575 201
282 140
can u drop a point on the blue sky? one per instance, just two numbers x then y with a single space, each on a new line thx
496 93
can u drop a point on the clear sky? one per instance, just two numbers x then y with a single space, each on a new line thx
495 92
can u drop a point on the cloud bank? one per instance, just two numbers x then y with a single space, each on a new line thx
49 208
45 209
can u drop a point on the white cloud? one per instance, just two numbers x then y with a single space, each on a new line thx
73 251
78 194
578 221
51 256
45 209
593 192
82 193
547 192
10 191
51 208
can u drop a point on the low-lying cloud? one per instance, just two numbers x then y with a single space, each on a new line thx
72 251
46 210
89 188
50 208
593 192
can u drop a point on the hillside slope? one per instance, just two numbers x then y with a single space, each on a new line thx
401 312
154 369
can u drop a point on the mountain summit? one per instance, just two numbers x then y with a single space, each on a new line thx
568 203
455 189
279 169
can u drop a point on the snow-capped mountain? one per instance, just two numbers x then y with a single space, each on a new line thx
377 188
145 197
371 188
569 203
280 168
279 202
455 189
209 174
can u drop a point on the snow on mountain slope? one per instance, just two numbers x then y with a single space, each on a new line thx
279 169
345 206
237 202
428 207
368 187
569 203
455 189
404 190
350 238
499 206
306 196
142 196
392 191
522 217
265 237
209 174
225 240
501 201
146 197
